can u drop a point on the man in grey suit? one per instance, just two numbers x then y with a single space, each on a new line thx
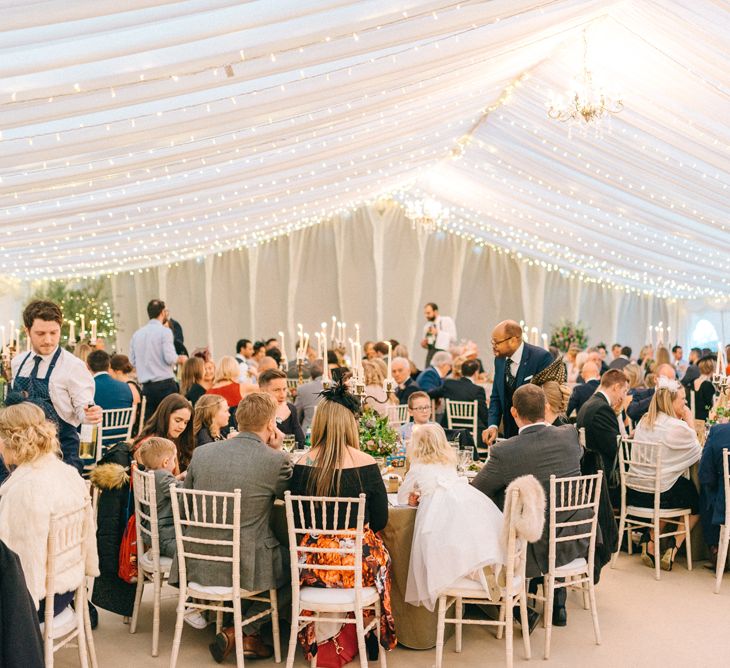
252 461
308 394
540 450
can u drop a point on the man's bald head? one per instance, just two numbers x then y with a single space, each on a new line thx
506 338
667 370
267 363
589 371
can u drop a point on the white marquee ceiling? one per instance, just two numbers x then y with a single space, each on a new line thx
169 130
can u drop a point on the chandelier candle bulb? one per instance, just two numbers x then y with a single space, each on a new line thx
12 331
72 332
344 333
545 341
357 334
283 346
719 370
326 366
534 334
82 332
305 344
300 335
2 334
334 327
93 332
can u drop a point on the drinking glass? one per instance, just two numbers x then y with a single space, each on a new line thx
289 443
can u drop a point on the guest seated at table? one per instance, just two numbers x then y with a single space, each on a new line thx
191 381
419 410
109 393
556 401
641 400
584 391
253 462
457 528
40 485
406 385
375 396
226 382
211 420
273 382
335 466
465 389
172 420
712 487
308 394
703 388
669 423
401 351
541 450
120 368
208 374
571 364
432 376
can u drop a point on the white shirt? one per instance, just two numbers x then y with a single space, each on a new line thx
516 358
243 375
71 385
442 323
533 424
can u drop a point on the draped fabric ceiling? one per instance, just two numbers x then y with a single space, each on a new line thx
150 132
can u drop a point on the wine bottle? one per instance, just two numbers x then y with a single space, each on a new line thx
88 440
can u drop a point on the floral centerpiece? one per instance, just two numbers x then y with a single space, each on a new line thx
720 412
377 437
569 333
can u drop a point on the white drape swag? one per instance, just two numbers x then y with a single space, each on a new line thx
333 269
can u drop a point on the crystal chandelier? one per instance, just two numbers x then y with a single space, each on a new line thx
585 103
426 214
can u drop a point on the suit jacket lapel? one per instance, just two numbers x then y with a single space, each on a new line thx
522 371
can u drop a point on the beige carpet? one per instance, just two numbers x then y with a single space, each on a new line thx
677 621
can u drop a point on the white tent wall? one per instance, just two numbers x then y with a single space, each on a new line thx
371 267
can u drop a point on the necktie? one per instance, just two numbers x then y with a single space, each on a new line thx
36 363
508 377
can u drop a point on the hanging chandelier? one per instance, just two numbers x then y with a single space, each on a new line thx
426 214
585 103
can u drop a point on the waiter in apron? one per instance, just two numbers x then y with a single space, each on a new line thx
54 379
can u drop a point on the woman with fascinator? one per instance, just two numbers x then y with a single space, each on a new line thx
333 467
669 424
552 379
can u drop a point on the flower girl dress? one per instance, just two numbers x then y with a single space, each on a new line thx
456 532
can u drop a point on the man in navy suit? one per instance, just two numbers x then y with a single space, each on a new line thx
464 389
584 391
433 376
515 363
109 393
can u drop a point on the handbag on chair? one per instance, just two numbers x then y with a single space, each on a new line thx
338 650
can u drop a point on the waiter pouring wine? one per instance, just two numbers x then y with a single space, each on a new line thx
53 379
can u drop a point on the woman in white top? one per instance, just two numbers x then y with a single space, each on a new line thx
670 424
457 527
40 485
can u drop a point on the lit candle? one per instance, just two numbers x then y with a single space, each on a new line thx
305 345
669 336
2 333
651 338
334 326
283 346
319 344
357 334
390 360
344 333
534 333
72 332
12 331
93 332
340 340
544 340
326 370
352 352
300 335
719 369
82 331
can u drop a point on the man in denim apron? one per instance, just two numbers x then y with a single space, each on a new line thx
53 379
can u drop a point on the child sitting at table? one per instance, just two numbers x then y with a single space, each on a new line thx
457 528
159 455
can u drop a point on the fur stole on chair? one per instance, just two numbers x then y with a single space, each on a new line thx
527 515
109 476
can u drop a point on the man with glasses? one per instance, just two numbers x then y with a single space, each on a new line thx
515 363
152 352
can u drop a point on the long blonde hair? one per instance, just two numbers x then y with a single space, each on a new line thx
661 402
25 431
205 409
227 369
557 396
429 445
334 429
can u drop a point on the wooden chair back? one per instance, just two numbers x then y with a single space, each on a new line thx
462 415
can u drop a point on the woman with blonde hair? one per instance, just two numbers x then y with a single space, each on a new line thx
376 397
457 527
669 425
556 402
225 383
40 485
211 419
635 376
335 466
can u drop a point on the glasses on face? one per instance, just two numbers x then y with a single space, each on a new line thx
497 343
420 409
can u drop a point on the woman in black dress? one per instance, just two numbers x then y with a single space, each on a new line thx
273 382
703 388
335 467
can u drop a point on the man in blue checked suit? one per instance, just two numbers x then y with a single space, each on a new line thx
515 363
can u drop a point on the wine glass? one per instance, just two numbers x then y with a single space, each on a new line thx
289 443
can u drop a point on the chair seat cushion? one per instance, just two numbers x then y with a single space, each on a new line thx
578 564
209 589
470 588
640 511
148 564
63 623
323 596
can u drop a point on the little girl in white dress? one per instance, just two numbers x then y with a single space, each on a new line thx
457 527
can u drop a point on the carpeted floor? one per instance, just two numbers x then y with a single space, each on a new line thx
677 621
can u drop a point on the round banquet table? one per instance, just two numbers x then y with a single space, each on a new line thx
415 627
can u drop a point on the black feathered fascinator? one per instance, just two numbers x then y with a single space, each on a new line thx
340 394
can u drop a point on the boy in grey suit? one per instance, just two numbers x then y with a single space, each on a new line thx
254 462
540 450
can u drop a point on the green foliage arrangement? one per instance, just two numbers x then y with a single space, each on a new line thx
568 333
377 437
